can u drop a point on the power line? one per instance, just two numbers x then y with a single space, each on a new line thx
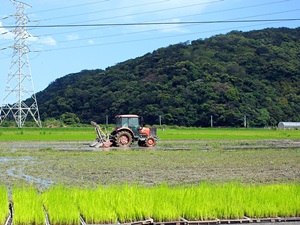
156 23
205 13
269 3
106 10
131 14
152 30
124 8
146 39
237 8
173 23
196 21
132 6
153 11
268 14
191 24
68 7
187 23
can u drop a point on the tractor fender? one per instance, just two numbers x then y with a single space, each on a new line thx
145 131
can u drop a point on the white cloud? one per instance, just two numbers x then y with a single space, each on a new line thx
173 27
47 40
5 34
72 37
91 42
44 40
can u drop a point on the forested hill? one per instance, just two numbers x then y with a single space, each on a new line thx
254 73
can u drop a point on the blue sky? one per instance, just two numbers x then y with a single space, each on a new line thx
58 51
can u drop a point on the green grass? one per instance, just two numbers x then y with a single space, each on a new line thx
86 133
3 204
46 134
228 134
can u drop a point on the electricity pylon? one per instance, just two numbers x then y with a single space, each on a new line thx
19 85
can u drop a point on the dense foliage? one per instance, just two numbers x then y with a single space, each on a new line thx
254 74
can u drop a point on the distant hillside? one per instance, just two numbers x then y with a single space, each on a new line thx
255 73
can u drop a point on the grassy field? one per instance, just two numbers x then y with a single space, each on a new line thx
87 133
228 134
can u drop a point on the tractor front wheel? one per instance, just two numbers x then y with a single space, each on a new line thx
123 139
150 142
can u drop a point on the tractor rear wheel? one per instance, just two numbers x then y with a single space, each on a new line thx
150 142
124 139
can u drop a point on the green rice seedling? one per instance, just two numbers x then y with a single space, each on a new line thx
60 205
133 202
28 207
228 200
95 205
275 200
127 203
289 201
200 202
123 203
166 200
123 200
209 201
143 202
234 200
3 204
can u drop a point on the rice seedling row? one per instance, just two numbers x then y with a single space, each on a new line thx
27 205
128 203
4 203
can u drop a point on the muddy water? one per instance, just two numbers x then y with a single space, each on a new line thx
75 163
15 168
15 171
40 145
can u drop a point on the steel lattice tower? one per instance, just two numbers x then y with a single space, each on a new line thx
19 86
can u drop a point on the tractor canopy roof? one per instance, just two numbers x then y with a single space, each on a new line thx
127 116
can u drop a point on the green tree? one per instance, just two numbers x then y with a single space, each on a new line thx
70 118
253 73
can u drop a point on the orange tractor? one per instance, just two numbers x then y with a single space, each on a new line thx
128 129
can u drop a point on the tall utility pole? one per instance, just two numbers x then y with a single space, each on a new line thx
19 85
